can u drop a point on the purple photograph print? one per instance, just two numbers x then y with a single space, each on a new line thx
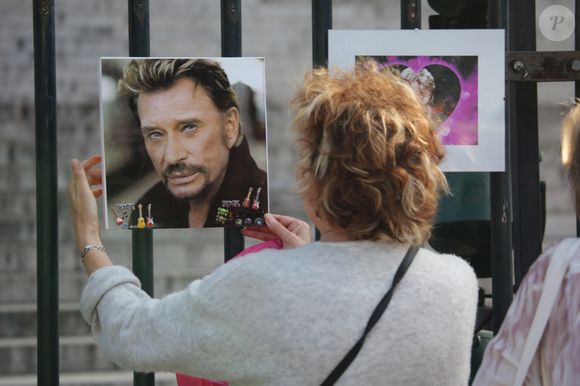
448 88
458 75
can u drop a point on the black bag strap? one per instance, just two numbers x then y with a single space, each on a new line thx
375 316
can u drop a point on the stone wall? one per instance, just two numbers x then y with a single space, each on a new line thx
278 30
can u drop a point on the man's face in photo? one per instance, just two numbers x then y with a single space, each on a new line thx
187 138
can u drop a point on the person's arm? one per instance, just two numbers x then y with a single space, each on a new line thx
132 329
201 330
502 354
289 230
83 190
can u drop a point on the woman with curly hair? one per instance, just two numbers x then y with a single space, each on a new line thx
310 313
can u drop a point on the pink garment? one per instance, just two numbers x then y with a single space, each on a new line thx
557 360
272 244
186 380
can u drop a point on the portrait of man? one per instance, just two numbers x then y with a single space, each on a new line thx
199 170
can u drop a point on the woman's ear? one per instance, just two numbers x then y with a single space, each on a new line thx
231 126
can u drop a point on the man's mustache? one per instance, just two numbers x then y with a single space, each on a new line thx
182 168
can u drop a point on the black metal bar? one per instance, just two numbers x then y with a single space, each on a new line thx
143 269
501 245
523 125
143 257
497 14
142 239
231 35
577 42
577 83
139 28
46 193
321 23
142 242
231 27
233 242
500 205
544 66
410 14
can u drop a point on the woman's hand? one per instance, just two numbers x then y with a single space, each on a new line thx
289 230
83 189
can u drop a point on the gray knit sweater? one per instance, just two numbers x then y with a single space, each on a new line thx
287 317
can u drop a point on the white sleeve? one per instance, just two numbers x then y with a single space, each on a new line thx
145 334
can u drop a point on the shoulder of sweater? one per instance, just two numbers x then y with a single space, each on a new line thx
450 270
240 268
447 261
435 266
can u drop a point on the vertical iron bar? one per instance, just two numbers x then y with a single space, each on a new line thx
577 41
410 14
231 36
233 242
321 23
231 28
46 193
139 28
143 269
523 124
501 206
577 83
142 239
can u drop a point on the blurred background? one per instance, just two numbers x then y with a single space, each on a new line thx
86 30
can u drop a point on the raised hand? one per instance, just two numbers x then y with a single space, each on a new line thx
83 189
289 230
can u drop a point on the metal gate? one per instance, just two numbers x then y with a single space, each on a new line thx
515 191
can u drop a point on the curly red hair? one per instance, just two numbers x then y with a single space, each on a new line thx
369 155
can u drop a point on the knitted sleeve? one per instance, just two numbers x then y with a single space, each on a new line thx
144 334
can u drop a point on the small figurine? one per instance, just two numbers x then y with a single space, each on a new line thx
150 223
246 203
259 221
239 222
231 203
122 214
140 220
221 215
118 219
256 203
248 221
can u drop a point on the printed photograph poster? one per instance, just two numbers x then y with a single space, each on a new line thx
184 142
457 75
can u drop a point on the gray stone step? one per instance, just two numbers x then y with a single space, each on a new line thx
93 378
77 353
81 363
20 320
177 249
20 286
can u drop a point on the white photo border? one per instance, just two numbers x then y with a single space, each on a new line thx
247 69
488 45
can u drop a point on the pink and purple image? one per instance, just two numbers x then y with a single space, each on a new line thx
447 87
